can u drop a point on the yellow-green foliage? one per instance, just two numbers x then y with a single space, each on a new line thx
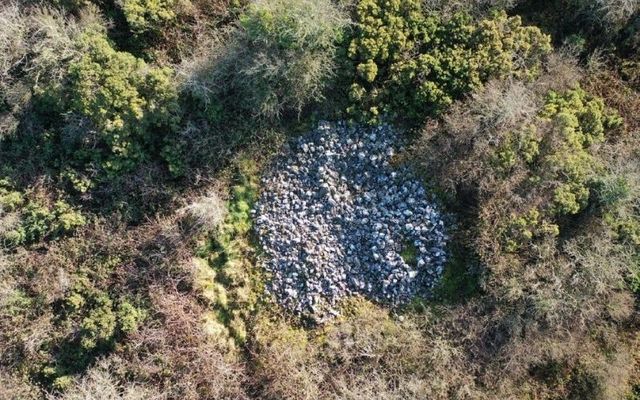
100 318
37 220
411 65
522 229
523 144
628 229
10 200
133 106
95 318
228 279
148 15
561 162
580 121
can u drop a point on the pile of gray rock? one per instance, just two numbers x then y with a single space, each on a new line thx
336 219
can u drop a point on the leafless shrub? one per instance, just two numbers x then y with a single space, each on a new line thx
198 73
501 105
40 41
205 213
475 127
36 46
175 354
364 355
15 388
99 384
561 71
12 43
617 11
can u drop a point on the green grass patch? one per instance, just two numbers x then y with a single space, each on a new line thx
232 287
409 254
461 277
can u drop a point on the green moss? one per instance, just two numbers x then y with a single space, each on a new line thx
229 279
505 159
409 254
460 279
99 324
626 228
79 182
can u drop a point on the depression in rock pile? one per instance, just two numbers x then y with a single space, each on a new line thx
336 219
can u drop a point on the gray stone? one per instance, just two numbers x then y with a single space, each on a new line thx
333 217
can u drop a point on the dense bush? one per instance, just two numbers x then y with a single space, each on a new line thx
411 65
35 220
559 163
148 15
288 55
132 107
534 160
589 24
100 318
582 122
278 60
36 47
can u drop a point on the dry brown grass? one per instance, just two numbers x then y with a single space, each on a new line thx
205 213
177 357
99 383
366 354
16 388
